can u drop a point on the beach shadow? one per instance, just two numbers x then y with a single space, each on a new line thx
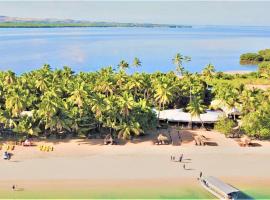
19 189
211 143
181 161
189 169
185 162
254 144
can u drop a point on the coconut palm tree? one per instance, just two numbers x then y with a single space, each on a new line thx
16 101
136 62
178 62
126 103
163 93
196 108
10 77
126 129
123 65
208 72
79 95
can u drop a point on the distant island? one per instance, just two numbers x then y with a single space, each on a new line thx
255 58
262 59
14 22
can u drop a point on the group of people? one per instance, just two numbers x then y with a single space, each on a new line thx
180 158
184 165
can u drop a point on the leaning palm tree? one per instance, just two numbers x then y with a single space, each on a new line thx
196 108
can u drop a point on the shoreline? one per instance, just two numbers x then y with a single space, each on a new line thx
138 169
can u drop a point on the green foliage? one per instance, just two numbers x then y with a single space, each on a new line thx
249 58
255 58
195 107
265 54
257 124
178 62
64 102
264 69
225 125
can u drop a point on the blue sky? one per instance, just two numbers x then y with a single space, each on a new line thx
178 12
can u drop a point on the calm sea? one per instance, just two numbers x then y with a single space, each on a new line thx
88 49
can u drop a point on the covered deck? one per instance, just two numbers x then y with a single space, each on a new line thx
220 189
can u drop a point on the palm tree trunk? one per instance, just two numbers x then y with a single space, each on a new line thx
159 111
190 123
202 122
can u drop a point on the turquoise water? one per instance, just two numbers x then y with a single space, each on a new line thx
88 49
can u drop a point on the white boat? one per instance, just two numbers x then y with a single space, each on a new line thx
219 189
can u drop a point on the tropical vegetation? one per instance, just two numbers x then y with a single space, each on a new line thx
58 102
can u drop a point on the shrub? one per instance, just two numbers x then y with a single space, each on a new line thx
264 53
264 69
225 125
257 124
250 58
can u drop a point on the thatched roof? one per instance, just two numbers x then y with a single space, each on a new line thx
219 104
178 115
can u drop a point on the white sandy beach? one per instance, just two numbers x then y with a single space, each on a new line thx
84 160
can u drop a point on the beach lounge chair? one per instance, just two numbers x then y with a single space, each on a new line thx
245 141
109 140
162 139
200 140
27 143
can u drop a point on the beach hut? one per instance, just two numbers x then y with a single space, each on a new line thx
219 189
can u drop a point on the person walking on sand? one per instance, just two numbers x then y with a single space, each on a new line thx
200 174
13 187
184 166
181 158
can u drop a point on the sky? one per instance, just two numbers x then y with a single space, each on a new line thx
174 12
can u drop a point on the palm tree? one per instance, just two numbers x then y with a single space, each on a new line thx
208 72
163 93
126 129
98 106
16 100
136 62
10 77
178 62
249 100
78 95
135 84
126 104
196 108
123 65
